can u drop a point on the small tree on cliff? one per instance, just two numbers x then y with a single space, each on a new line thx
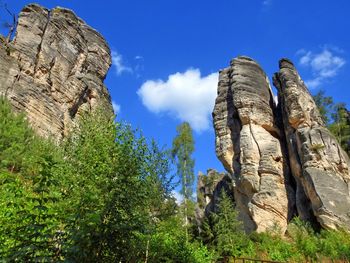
182 149
341 126
336 117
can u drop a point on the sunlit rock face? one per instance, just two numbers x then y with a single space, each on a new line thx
249 144
54 69
318 163
283 159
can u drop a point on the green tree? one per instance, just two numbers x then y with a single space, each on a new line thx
341 126
325 105
182 149
93 199
230 238
168 244
28 223
336 117
117 187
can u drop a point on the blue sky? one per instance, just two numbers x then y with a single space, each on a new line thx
174 49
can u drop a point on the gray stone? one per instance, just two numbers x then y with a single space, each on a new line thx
318 164
54 69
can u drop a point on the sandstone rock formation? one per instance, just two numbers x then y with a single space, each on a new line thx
283 159
54 68
249 145
318 163
209 188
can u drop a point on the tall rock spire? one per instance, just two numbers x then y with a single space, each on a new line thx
248 143
319 165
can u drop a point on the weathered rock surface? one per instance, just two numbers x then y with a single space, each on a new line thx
318 164
209 188
248 143
283 159
54 69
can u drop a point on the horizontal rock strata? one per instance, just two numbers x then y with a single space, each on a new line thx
284 160
54 69
318 163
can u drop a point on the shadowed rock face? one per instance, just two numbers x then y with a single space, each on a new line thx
54 69
209 188
248 143
318 164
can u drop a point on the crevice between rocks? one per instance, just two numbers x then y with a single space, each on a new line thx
36 63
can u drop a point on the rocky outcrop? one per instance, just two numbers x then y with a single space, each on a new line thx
283 159
318 163
54 69
248 143
209 189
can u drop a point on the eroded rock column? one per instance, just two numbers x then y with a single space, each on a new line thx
319 165
248 144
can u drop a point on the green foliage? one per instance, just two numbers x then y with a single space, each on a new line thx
182 149
87 201
273 247
123 182
28 221
230 238
104 196
341 126
168 244
324 104
335 244
15 139
336 117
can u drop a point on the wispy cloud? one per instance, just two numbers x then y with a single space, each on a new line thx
187 96
323 65
116 107
267 2
118 63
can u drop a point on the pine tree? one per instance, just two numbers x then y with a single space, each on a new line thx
229 235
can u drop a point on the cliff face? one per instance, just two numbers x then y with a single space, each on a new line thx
54 69
318 163
283 160
248 143
209 188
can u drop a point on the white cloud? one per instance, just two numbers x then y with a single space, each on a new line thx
178 197
186 96
323 65
116 108
117 61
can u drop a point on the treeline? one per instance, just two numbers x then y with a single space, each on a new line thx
104 194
